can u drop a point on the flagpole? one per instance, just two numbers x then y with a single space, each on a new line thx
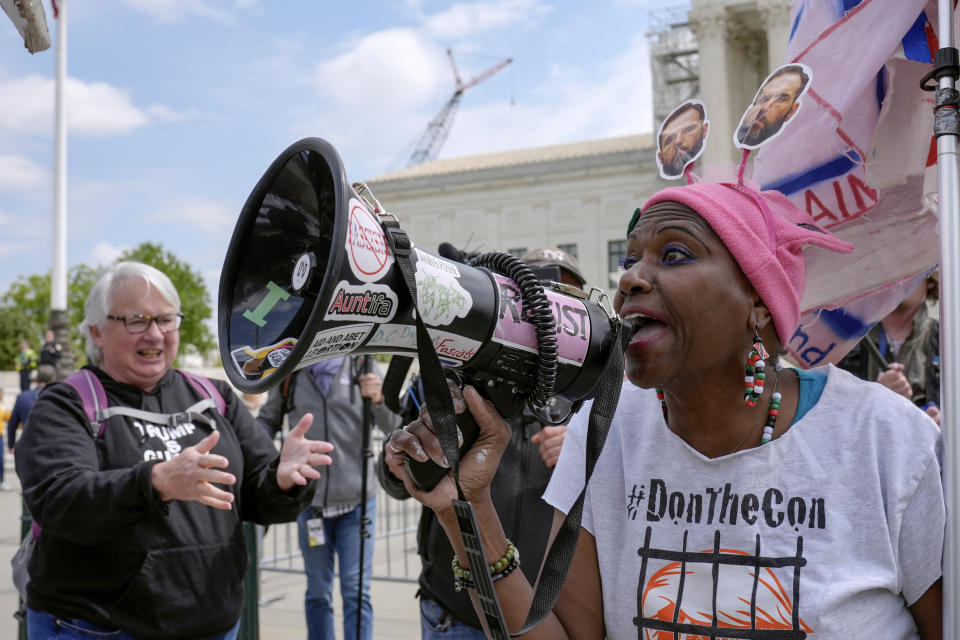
59 320
948 187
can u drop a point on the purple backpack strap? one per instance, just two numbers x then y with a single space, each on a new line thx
93 397
206 389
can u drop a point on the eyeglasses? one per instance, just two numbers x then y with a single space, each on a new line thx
139 323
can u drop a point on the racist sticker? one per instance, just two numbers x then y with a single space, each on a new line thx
366 302
254 363
440 296
367 251
333 342
514 329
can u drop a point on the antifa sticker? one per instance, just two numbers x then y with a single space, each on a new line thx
361 303
367 251
255 364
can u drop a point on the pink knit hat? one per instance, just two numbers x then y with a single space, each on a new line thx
765 233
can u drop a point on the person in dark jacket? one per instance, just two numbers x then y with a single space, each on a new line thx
24 403
521 479
334 391
908 341
140 521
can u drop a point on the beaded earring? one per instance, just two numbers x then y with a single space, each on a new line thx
755 375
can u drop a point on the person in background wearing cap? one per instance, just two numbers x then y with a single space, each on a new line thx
525 470
908 340
808 501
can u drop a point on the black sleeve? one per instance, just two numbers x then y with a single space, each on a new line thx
261 499
933 365
63 486
270 416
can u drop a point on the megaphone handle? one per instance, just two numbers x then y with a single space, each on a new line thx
426 475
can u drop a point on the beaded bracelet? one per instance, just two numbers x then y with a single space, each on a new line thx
465 583
495 568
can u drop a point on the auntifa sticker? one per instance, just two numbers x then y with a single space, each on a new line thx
367 251
368 302
255 364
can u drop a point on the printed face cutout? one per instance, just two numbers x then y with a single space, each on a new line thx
681 138
773 106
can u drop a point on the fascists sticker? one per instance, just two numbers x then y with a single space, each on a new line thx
452 348
367 251
370 302
332 342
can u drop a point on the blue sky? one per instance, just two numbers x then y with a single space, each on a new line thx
176 107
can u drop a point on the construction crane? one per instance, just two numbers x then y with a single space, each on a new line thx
429 144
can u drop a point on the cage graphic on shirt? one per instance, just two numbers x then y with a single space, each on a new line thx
719 594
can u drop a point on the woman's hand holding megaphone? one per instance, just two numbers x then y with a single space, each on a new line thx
477 466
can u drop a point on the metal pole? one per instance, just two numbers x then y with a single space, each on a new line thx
59 321
949 221
365 455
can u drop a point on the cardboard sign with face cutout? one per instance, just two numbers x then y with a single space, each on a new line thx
682 138
774 105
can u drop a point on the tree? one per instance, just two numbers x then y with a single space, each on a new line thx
194 299
15 325
25 307
28 298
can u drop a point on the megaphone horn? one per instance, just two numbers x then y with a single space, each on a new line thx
309 275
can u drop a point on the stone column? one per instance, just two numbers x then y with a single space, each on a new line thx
709 24
775 15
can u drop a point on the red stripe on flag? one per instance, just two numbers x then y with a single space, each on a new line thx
836 25
932 41
56 12
932 154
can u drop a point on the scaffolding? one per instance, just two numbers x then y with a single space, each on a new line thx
674 60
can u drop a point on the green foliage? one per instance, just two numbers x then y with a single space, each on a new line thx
28 299
194 299
25 307
14 326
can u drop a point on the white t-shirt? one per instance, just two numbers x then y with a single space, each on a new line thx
845 512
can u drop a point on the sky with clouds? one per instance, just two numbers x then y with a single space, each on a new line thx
177 107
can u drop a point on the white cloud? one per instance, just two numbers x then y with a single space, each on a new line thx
104 253
469 18
198 213
163 113
396 65
169 11
20 174
94 109
6 218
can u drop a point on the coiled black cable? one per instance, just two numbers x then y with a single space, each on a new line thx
536 307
